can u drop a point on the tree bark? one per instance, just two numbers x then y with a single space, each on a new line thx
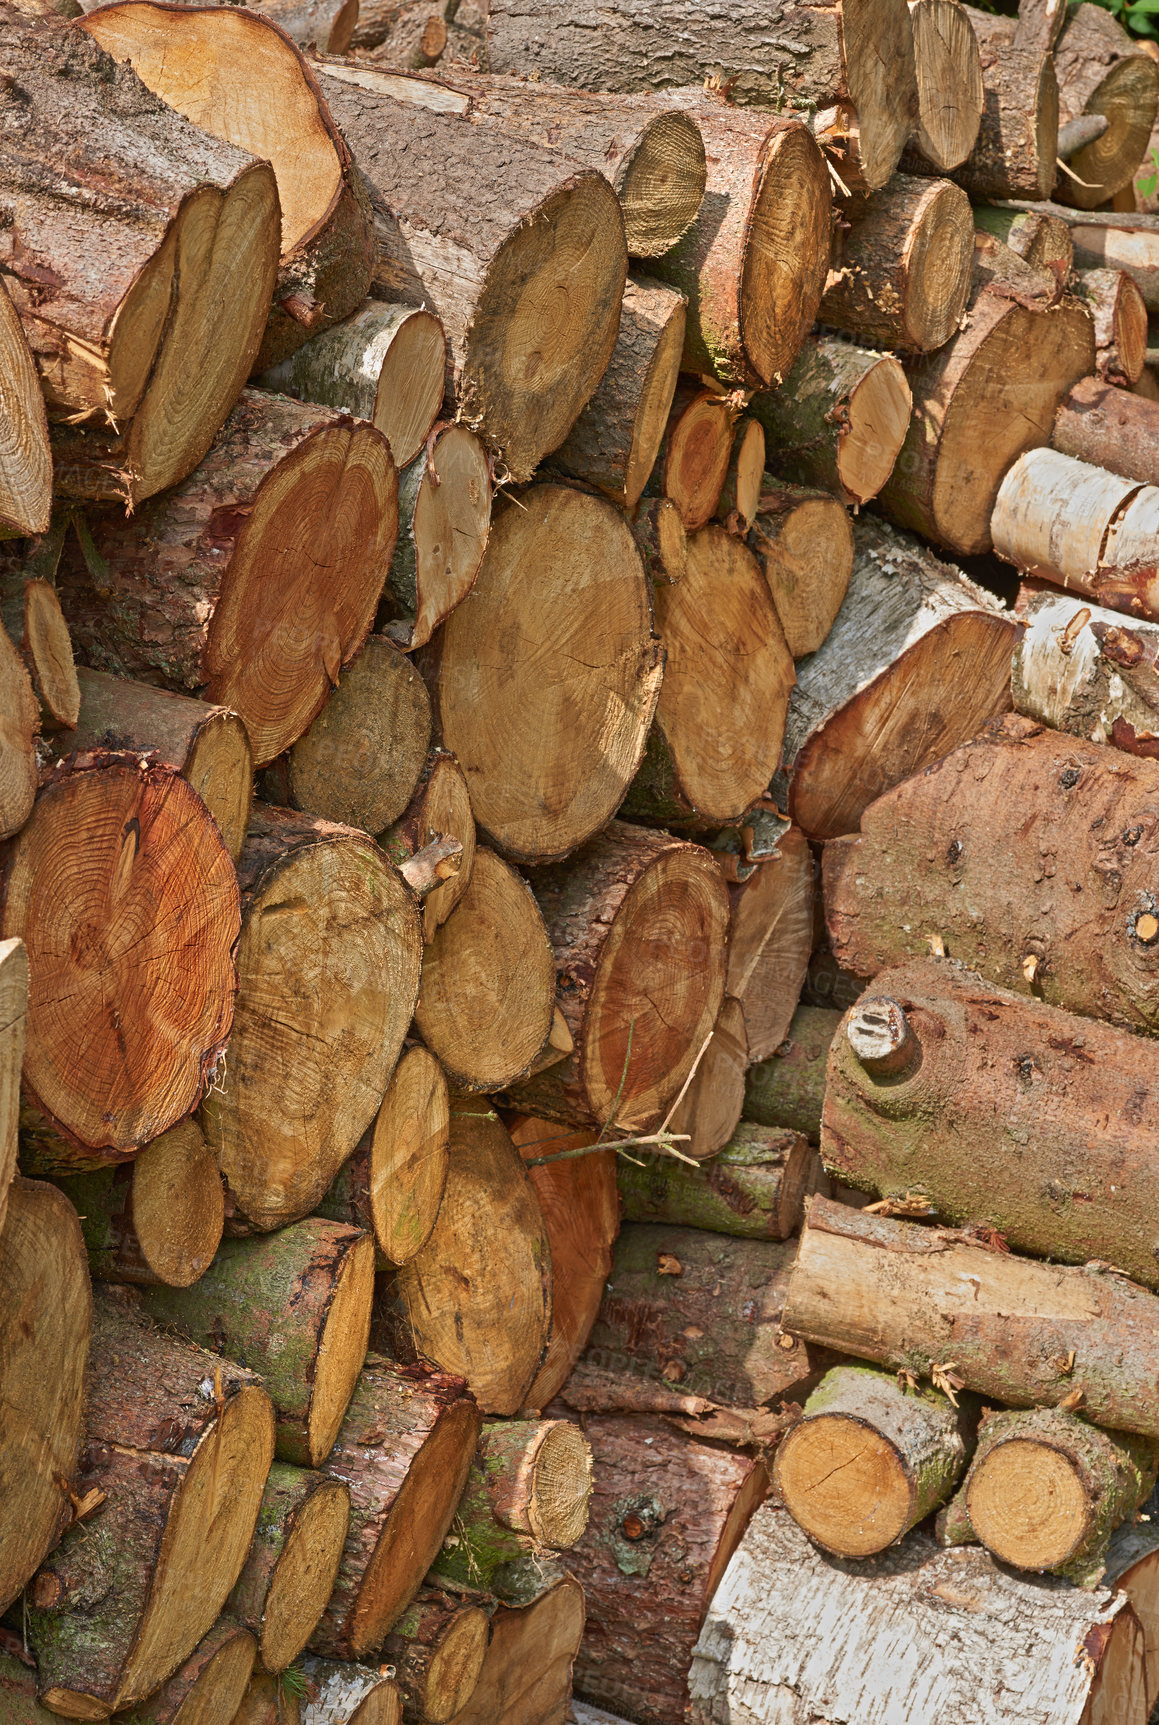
495 220
293 1561
548 738
803 541
326 25
901 270
614 443
387 364
1033 232
755 1187
189 599
787 1089
1120 317
667 1515
951 94
44 1347
909 624
346 1694
966 430
527 1674
1080 669
709 1112
868 1460
13 1033
437 1649
238 78
1017 145
146 356
325 995
209 1685
444 520
813 59
891 1292
769 942
405 1450
19 726
440 803
980 1643
476 1300
207 745
638 924
181 1449
1101 71
741 493
26 460
692 461
1109 428
838 420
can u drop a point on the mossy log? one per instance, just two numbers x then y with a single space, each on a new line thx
787 1090
754 1188
289 1573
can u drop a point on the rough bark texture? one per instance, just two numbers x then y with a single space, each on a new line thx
208 1687
951 94
1120 315
292 1563
1081 669
440 804
804 543
754 1188
527 1675
901 269
13 1029
864 714
1101 71
1109 428
1017 145
788 1089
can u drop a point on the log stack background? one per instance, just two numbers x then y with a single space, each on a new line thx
579 755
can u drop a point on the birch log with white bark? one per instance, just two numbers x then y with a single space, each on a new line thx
1085 670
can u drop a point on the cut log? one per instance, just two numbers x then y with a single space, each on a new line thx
997 264
720 719
25 457
208 1688
863 67
440 803
1046 1490
861 717
1081 669
695 451
267 1701
741 493
30 611
405 1450
1016 151
709 1112
180 1447
258 578
518 250
444 518
1120 317
1101 71
387 364
326 25
344 1694
476 1300
616 439
794 1636
769 942
901 272
207 745
754 1188
236 76
701 1311
787 1089
951 95
392 1185
19 724
546 683
838 420
417 39
360 760
436 1650
146 356
1109 428
581 1216
125 896
990 394
1114 240
804 543
639 924
328 972
292 1564
1035 234
666 1516
487 994
1133 1569
914 1298
661 539
13 1032
527 1674
45 1322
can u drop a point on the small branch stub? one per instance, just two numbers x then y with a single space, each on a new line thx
881 1037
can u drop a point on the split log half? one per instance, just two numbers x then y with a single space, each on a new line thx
581 1217
1133 1569
951 95
295 1307
440 805
236 76
527 1675
770 941
444 519
896 1293
518 250
124 894
639 923
341 1693
1120 317
1081 669
860 718
13 1031
546 683
25 457
292 1565
838 420
720 720
616 439
30 610
741 493
387 364
258 578
328 972
45 1322
207 745
1036 234
787 1089
180 1447
360 760
1109 428
405 1450
709 1112
267 1701
208 1688
19 725
1102 71
142 359
1016 152
692 461
860 63
392 1186
666 1516
436 1650
1111 240
754 1188
990 394
487 993
476 1300
661 539
901 271
804 543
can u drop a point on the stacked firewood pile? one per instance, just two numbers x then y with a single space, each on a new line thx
574 1103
